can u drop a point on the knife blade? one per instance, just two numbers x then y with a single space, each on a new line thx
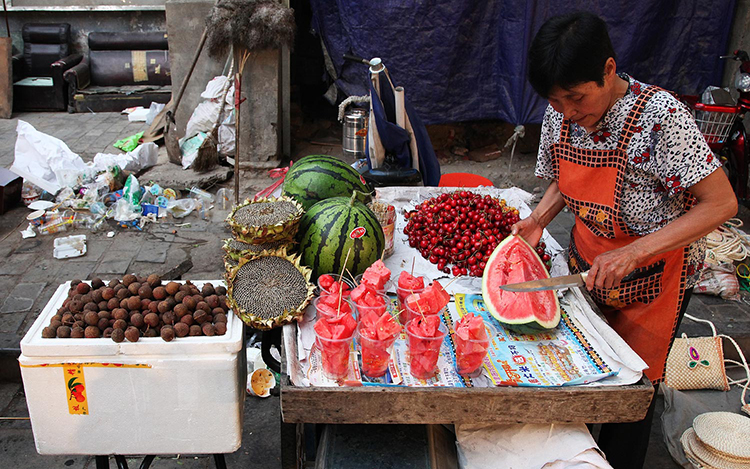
554 283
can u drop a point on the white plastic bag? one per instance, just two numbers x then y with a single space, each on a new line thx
189 148
206 113
154 111
44 160
181 207
719 280
144 156
226 136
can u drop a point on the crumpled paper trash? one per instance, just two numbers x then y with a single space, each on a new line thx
527 446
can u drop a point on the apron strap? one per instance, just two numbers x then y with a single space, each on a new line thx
631 122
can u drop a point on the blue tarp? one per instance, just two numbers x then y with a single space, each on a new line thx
466 60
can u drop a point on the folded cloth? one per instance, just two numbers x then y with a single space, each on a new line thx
528 446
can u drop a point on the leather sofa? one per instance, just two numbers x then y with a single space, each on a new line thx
122 70
38 83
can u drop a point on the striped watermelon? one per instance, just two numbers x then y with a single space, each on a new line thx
318 177
334 227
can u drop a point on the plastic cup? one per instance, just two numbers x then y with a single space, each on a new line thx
363 309
470 355
416 313
337 278
424 352
326 313
334 355
402 294
376 354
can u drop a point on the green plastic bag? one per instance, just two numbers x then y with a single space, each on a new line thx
130 143
132 191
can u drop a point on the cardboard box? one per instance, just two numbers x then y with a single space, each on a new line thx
146 397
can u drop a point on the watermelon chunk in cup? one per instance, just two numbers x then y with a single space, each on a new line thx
430 301
406 285
332 307
425 337
370 300
471 343
333 284
334 339
377 332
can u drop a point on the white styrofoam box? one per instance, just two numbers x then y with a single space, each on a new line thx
189 400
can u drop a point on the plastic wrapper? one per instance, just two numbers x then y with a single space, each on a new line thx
189 148
719 280
131 192
129 143
180 208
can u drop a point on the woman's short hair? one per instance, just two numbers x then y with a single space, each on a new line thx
569 50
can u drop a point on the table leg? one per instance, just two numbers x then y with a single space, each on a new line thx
219 461
121 462
146 463
102 462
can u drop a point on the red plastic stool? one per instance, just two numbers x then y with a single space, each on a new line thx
463 180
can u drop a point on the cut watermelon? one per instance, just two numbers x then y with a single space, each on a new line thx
377 336
515 261
425 337
360 290
407 284
471 345
377 275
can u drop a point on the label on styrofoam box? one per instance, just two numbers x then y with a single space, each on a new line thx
34 345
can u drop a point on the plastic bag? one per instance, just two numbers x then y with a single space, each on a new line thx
43 159
180 208
154 111
131 192
128 143
719 280
143 156
125 211
189 148
227 136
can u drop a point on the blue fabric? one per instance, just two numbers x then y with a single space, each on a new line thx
396 140
466 60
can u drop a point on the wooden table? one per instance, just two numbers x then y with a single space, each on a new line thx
411 405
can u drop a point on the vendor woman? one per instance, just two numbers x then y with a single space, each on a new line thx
628 160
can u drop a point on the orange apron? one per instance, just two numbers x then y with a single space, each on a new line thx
643 311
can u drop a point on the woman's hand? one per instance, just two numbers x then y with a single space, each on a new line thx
529 229
610 267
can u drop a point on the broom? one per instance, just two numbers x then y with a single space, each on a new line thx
247 26
208 152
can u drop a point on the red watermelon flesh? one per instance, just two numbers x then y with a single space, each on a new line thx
377 275
377 335
325 281
514 261
425 339
471 344
335 302
360 290
407 281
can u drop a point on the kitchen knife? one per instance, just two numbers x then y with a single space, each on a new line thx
554 283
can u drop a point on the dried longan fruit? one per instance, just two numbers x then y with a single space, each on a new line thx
171 302
180 310
83 288
87 298
189 302
119 287
118 335
195 329
92 332
145 291
144 303
187 319
120 324
132 334
220 328
113 303
108 293
179 296
91 306
219 317
154 280
107 333
91 318
208 329
96 296
221 290
185 288
67 319
104 314
172 288
136 319
120 313
103 305
154 306
134 287
134 303
207 290
96 283
104 323
167 333
49 332
113 283
181 329
163 307
123 293
151 319
63 332
128 279
200 316
159 293
203 305
213 301
77 332
150 333
79 323
168 317
74 283
75 306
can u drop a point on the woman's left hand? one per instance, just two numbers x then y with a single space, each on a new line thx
610 267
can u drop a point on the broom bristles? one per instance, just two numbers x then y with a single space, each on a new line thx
248 24
208 153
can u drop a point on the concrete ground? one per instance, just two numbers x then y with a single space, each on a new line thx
29 275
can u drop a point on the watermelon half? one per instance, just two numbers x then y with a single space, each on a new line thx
514 261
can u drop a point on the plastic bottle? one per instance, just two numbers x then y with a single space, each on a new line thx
198 193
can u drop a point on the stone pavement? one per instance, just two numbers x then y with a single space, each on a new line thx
29 275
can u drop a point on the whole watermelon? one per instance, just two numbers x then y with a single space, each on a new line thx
317 177
334 227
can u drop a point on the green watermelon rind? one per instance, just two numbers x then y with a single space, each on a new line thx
527 325
317 177
328 222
